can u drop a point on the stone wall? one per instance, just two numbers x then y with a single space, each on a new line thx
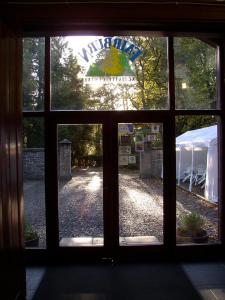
34 162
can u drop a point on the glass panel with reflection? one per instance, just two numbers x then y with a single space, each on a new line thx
197 162
34 182
33 74
140 183
195 74
109 73
80 191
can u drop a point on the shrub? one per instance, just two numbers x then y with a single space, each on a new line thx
191 223
29 232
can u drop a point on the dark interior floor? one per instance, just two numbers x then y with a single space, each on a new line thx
191 281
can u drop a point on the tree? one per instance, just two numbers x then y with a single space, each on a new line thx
149 90
33 133
151 73
67 89
104 98
195 72
185 123
33 74
194 66
33 90
67 92
86 142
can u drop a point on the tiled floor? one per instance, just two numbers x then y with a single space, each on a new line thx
33 279
207 278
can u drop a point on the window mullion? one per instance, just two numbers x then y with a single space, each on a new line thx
221 98
169 171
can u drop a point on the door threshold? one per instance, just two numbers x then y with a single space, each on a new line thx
99 241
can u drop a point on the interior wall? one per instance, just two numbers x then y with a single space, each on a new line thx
11 241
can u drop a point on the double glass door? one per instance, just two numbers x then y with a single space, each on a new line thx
110 182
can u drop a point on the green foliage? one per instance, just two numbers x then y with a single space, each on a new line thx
151 73
33 133
67 91
150 69
33 74
86 142
185 123
195 64
149 91
191 222
104 98
29 232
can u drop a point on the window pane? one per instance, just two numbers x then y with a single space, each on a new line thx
195 74
33 74
140 183
80 185
33 182
197 179
109 73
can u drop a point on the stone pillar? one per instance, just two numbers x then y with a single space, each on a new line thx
65 159
145 164
151 163
145 161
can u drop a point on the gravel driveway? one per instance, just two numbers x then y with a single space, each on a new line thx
141 206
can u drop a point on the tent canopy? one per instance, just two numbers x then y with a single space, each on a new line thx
203 137
199 147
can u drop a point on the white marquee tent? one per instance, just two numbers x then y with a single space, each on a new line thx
197 160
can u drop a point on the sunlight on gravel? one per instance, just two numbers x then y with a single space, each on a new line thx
95 184
140 206
142 200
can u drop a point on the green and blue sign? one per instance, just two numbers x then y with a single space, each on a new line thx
113 57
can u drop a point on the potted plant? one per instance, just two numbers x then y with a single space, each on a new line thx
190 229
30 235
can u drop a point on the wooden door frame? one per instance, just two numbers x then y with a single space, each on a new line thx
112 251
12 271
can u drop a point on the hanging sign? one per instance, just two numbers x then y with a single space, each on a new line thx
123 160
139 147
125 149
125 139
132 160
151 137
155 128
126 128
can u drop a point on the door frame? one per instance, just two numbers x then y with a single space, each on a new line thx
110 119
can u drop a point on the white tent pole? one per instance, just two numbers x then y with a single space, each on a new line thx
192 166
206 187
179 167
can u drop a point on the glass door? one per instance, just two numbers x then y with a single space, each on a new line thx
140 160
110 184
80 185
